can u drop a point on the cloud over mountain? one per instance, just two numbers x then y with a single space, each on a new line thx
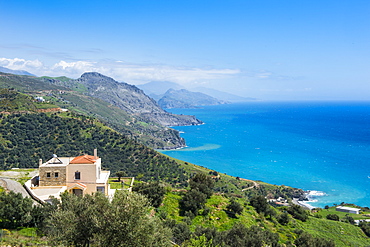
121 71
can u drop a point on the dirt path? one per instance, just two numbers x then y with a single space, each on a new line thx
255 184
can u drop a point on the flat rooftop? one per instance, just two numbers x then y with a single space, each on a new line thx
348 208
44 193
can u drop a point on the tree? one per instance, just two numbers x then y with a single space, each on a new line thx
259 203
349 219
203 183
234 208
192 201
365 227
283 218
181 232
298 212
154 191
307 240
200 241
120 174
95 221
254 236
15 210
332 217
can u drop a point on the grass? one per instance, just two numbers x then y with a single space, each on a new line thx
114 184
45 106
342 215
344 234
21 237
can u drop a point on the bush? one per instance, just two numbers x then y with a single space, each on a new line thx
297 212
332 217
153 191
234 208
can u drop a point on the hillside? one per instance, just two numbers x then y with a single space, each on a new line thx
131 119
186 99
228 211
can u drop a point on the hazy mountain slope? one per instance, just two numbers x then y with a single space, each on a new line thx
159 87
222 95
185 99
15 72
170 102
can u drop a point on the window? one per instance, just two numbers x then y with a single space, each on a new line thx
100 189
77 175
48 174
56 175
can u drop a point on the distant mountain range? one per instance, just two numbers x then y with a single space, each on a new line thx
157 90
15 72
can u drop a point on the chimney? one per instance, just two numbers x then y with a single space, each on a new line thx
40 162
95 154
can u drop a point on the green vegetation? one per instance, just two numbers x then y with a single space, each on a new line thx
96 221
74 98
199 206
59 78
29 137
342 215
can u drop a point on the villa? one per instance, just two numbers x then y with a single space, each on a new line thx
78 175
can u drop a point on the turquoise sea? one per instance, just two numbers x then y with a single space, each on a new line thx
318 146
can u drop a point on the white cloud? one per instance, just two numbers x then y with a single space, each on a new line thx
20 64
121 71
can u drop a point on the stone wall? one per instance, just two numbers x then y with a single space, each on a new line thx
52 180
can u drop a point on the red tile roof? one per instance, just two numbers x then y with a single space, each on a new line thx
84 159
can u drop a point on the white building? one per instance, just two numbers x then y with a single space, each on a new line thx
348 210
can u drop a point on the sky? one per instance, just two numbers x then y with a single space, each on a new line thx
266 49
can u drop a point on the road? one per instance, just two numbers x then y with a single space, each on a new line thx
12 185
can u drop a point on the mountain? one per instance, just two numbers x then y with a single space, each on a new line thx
185 99
15 72
158 87
222 95
129 98
123 107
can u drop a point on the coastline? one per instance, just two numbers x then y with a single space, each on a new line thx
286 143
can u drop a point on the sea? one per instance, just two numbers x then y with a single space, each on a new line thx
320 147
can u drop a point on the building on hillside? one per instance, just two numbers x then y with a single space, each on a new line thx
348 210
78 175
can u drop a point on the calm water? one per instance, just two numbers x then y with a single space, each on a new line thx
320 146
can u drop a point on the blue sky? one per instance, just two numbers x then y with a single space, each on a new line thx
272 50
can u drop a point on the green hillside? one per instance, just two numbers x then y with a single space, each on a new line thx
136 127
201 207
